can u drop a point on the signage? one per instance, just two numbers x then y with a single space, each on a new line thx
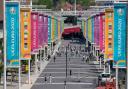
40 30
101 32
34 31
25 33
49 29
96 27
120 30
12 33
109 34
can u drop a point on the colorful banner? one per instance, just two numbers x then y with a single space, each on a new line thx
40 30
89 30
34 31
101 31
53 37
92 20
96 32
55 28
85 29
62 25
12 29
45 30
25 33
82 26
109 34
120 31
49 29
59 27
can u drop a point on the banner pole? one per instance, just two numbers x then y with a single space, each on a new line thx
40 58
19 76
100 63
4 34
116 76
35 63
29 69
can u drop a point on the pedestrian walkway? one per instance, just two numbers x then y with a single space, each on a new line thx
24 77
80 75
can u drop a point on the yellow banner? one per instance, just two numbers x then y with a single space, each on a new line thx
109 33
25 33
52 28
84 29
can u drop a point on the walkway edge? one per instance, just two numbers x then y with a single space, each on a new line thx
34 77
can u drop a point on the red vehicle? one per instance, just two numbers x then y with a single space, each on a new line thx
69 31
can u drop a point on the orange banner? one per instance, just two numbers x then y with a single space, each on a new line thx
109 33
25 33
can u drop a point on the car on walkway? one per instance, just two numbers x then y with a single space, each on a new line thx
105 77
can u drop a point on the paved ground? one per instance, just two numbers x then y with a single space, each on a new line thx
80 75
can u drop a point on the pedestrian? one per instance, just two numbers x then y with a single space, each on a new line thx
45 78
48 57
54 58
65 84
83 58
70 72
50 78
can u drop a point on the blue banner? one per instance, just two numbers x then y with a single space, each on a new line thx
49 29
92 29
120 28
12 33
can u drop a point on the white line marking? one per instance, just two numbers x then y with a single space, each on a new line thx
73 68
64 72
71 77
69 83
71 64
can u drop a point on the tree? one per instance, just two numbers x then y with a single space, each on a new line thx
49 3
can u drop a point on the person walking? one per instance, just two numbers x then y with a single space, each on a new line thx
45 78
54 59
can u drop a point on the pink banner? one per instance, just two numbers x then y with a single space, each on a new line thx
45 30
40 30
34 31
101 35
96 28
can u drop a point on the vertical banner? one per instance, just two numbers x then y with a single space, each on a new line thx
62 25
49 29
34 31
45 30
56 28
89 30
120 28
25 33
92 20
96 32
12 30
59 27
82 26
53 29
40 30
101 32
85 29
109 34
